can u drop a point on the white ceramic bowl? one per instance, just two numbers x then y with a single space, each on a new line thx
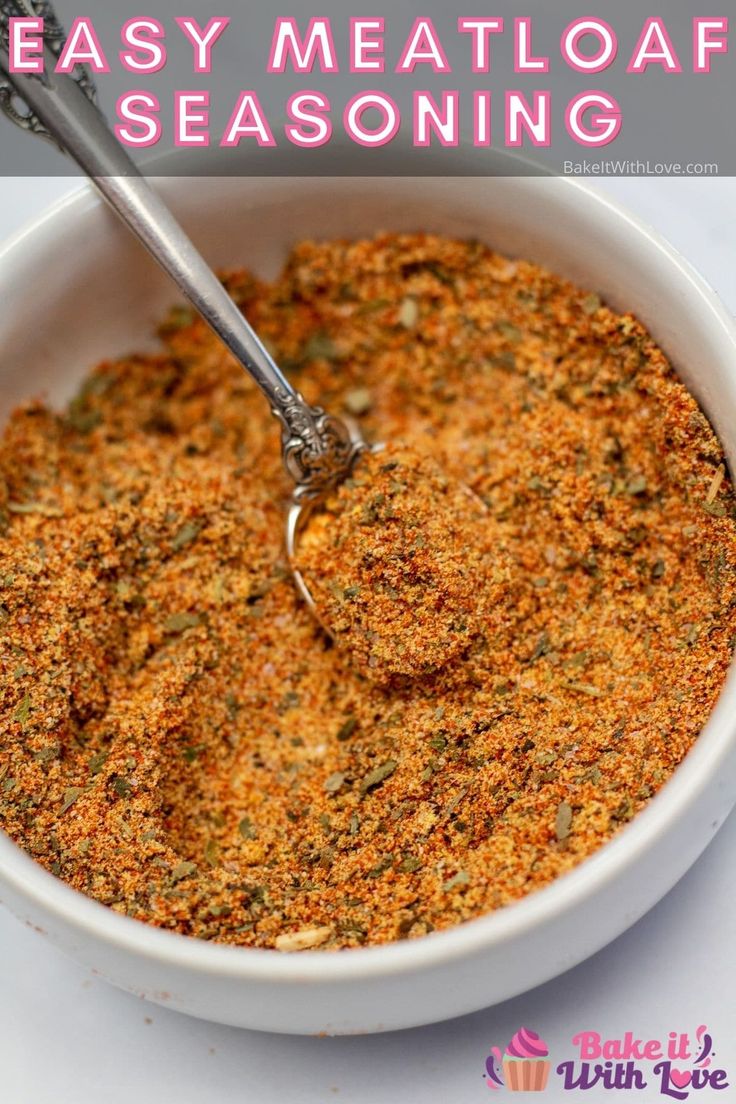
74 288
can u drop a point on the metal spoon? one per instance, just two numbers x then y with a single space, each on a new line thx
318 449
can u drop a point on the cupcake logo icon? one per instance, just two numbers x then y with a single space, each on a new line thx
522 1067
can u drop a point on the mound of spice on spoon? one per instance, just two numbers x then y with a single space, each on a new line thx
416 568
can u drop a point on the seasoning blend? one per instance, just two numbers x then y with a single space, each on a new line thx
180 740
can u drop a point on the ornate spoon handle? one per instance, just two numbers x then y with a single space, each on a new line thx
318 449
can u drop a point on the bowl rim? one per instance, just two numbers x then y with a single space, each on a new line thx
55 898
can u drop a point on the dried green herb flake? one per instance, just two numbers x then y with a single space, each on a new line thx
335 782
180 622
184 536
378 775
563 821
183 870
70 796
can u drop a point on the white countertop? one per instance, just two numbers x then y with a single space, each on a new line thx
68 1038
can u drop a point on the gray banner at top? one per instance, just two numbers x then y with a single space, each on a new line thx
674 117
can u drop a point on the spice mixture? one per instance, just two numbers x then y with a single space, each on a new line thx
180 740
405 566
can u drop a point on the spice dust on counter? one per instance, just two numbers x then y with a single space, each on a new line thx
180 740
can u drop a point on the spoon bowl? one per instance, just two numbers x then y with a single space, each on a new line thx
299 512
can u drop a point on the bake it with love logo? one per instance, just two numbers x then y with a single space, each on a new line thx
675 1067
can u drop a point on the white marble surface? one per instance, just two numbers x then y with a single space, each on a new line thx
68 1038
